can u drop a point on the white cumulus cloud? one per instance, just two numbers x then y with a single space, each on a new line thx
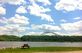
17 19
46 27
3 20
63 20
14 26
45 2
40 11
14 2
34 33
73 27
11 29
69 5
2 10
21 9
77 18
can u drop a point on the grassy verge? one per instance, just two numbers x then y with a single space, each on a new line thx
39 49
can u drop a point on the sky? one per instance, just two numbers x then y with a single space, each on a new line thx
27 17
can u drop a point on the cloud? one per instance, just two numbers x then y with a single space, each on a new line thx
45 2
69 5
77 18
3 20
63 20
46 17
2 11
34 33
40 33
17 19
40 11
12 29
6 29
14 26
72 28
46 27
21 9
14 2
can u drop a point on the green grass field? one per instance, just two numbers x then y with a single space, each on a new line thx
39 49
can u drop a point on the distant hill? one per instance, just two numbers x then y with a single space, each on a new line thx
9 38
42 38
50 33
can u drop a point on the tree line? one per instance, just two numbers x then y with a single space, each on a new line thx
41 38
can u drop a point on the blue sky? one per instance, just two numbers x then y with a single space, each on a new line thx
36 16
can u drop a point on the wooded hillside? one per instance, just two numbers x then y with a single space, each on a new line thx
41 38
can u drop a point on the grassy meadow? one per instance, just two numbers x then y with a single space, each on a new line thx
39 49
